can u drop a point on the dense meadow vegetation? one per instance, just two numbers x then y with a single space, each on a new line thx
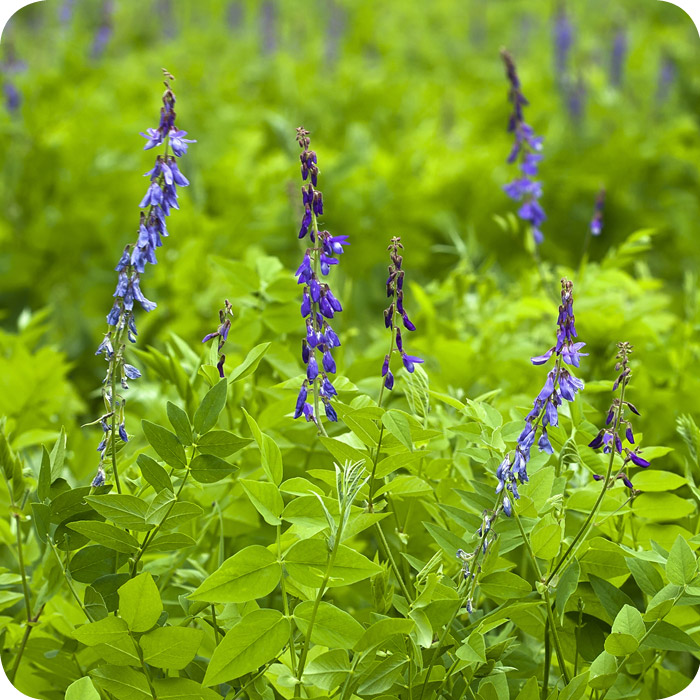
469 468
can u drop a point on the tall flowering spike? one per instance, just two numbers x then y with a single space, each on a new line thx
526 152
618 426
617 59
560 384
563 34
161 197
394 312
225 316
318 304
597 220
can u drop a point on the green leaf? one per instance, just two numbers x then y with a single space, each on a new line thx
668 637
603 671
123 683
266 498
398 425
181 512
252 573
629 621
328 670
159 507
545 538
627 630
180 422
106 534
530 690
101 632
256 639
213 403
382 675
89 563
82 689
182 689
381 631
662 506
250 364
646 576
660 605
657 480
504 585
682 565
568 583
42 518
473 650
610 597
208 469
306 563
44 483
221 443
333 627
171 647
154 474
269 451
139 603
58 455
170 541
126 511
166 444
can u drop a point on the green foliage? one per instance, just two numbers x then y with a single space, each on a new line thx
242 555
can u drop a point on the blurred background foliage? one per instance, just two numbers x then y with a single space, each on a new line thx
407 107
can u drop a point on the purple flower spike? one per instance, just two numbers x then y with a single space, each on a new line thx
318 303
526 151
394 291
161 197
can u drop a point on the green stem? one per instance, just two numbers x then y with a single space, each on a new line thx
314 611
20 559
151 535
548 601
285 605
584 528
145 668
392 562
69 582
215 625
547 660
355 661
370 498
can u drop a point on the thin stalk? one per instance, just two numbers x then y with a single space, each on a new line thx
314 611
463 601
150 536
145 668
355 661
23 644
285 605
392 562
69 582
20 559
370 498
548 600
547 660
215 625
584 528
113 431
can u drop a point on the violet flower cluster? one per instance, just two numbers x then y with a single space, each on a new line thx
561 384
597 220
160 198
526 152
394 291
318 304
225 316
610 438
